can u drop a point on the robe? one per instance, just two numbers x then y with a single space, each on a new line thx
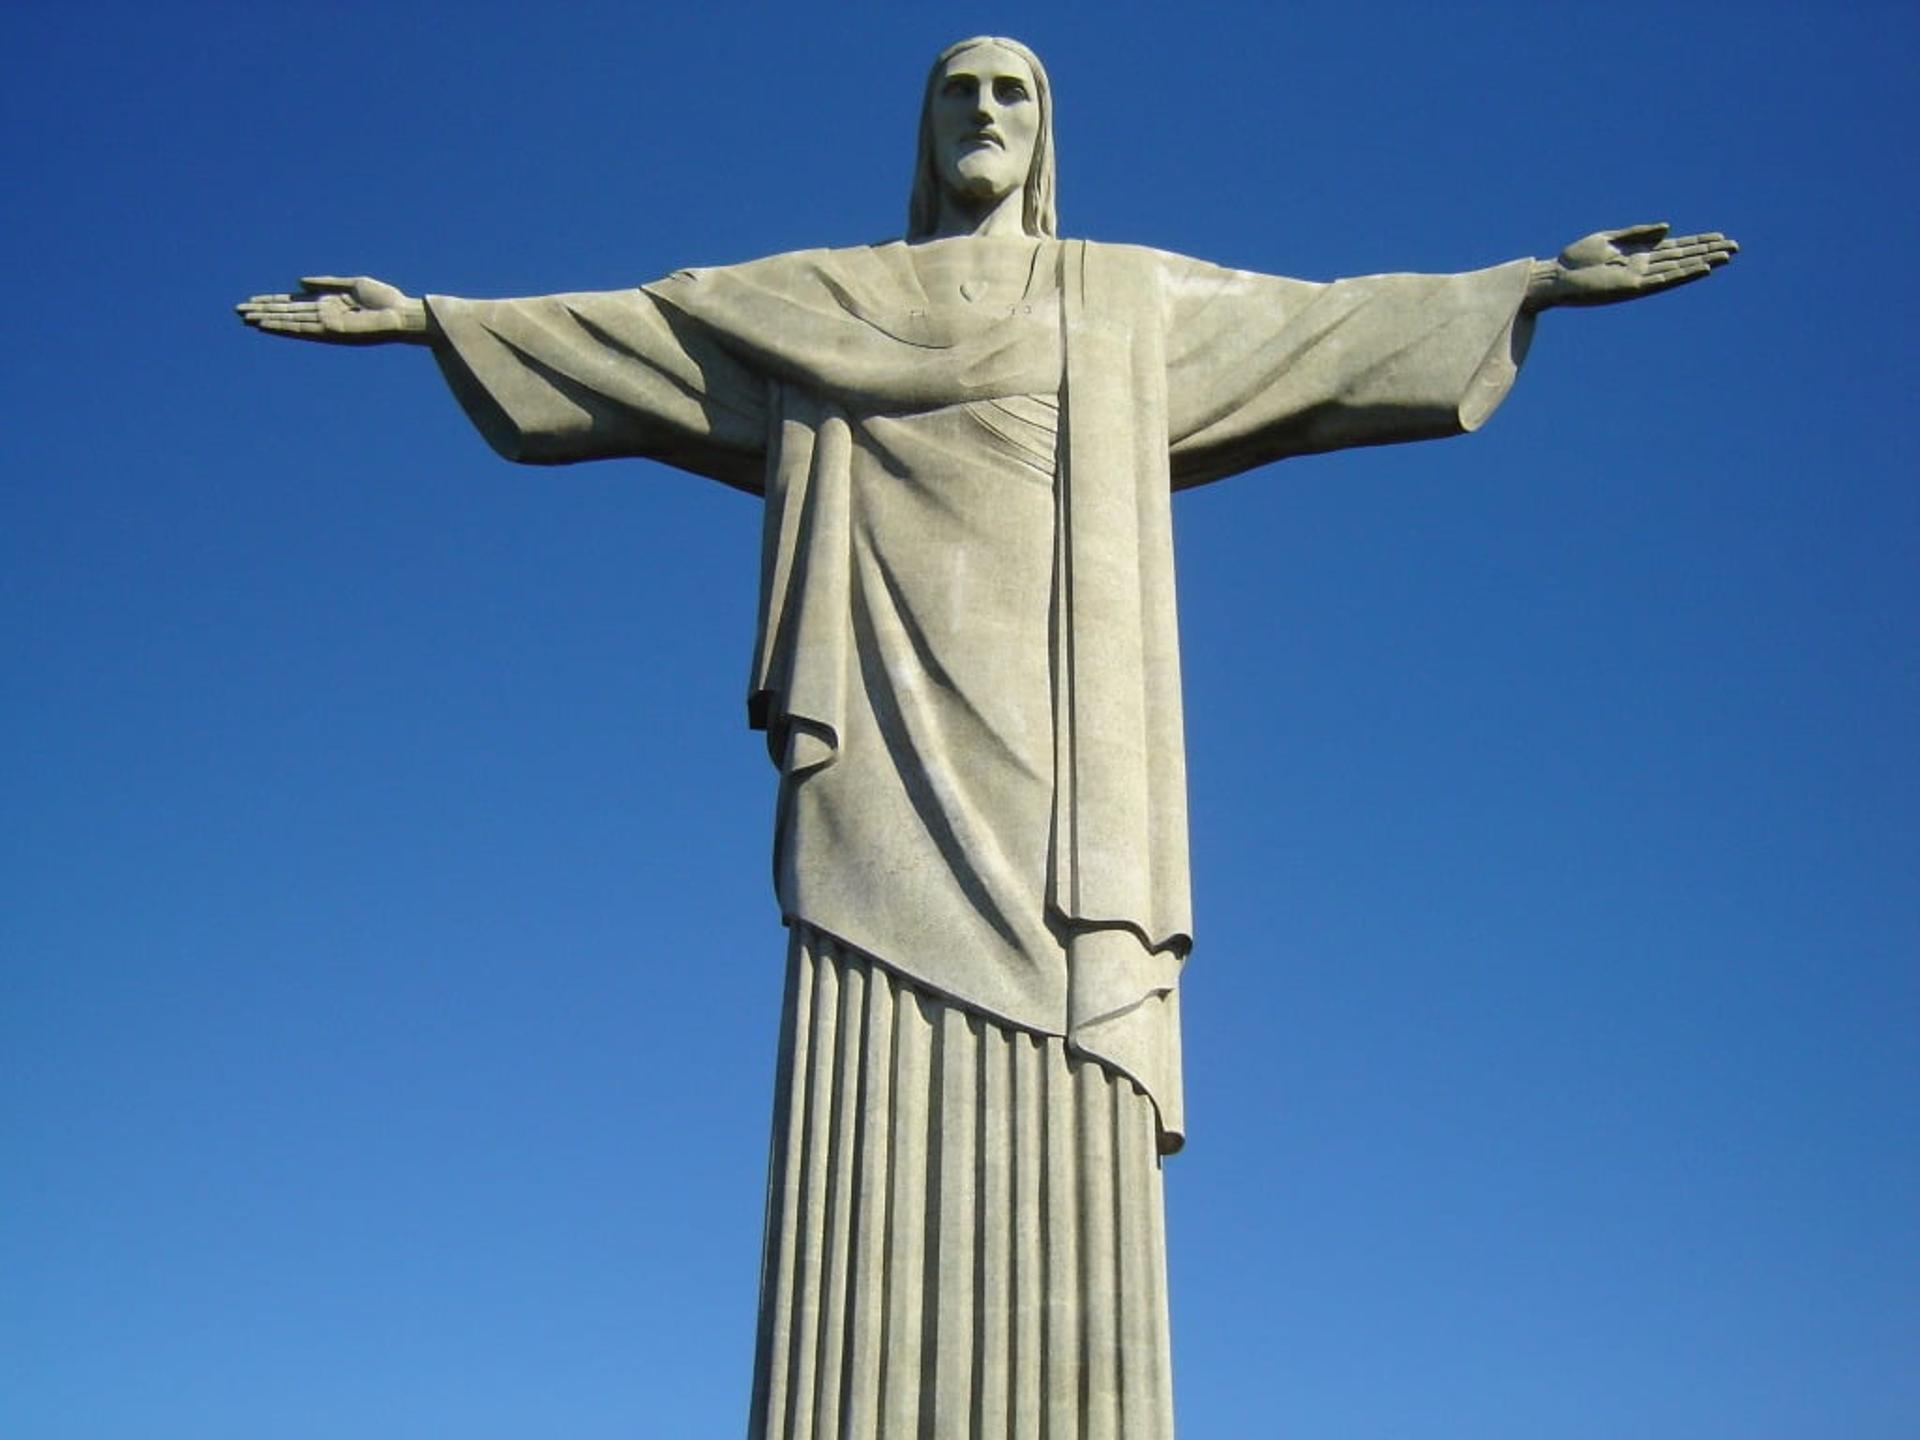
967 661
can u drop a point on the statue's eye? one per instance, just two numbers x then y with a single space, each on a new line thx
957 87
1007 91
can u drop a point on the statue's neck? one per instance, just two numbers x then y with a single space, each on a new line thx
960 215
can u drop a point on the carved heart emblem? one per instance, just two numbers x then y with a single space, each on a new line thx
971 290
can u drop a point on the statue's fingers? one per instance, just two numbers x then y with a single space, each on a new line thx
1712 255
1681 250
327 282
288 325
1709 254
1672 263
1682 274
1706 240
265 299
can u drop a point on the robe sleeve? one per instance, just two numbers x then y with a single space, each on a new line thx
561 378
1260 368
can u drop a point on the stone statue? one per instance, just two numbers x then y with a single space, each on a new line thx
966 670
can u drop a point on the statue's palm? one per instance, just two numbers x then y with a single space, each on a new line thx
1614 265
342 310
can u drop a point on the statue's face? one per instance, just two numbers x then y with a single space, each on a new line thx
986 118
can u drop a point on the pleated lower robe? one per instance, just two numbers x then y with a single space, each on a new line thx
964 1226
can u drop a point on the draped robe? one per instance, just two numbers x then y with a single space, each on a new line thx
966 664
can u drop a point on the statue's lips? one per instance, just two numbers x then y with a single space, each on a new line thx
980 139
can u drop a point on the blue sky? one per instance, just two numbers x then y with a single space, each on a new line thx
388 965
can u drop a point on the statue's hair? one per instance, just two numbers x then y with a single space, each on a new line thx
1037 217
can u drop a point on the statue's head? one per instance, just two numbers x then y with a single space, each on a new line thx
986 128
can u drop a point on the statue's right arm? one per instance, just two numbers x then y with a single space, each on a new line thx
341 310
552 379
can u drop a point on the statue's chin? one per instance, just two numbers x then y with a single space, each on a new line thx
979 181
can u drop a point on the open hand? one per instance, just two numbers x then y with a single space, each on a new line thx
357 310
1614 265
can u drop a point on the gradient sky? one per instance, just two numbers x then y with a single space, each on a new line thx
388 965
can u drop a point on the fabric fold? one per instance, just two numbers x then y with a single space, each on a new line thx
967 661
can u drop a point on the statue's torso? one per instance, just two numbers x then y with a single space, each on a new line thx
929 833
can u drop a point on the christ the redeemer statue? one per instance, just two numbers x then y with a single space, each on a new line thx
966 670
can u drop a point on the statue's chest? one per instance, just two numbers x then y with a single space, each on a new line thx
957 277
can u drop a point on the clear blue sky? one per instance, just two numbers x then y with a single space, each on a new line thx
388 965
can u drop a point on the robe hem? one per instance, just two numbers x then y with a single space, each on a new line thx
1170 1141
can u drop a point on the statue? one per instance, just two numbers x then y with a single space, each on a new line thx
966 670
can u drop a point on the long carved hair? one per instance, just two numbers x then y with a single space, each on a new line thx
1038 217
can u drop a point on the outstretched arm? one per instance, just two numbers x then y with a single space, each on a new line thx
341 310
1616 265
550 379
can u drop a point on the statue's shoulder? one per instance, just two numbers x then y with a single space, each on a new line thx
863 280
840 262
784 261
817 278
1146 261
1116 268
1122 251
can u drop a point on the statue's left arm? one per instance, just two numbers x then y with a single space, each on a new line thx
1260 368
